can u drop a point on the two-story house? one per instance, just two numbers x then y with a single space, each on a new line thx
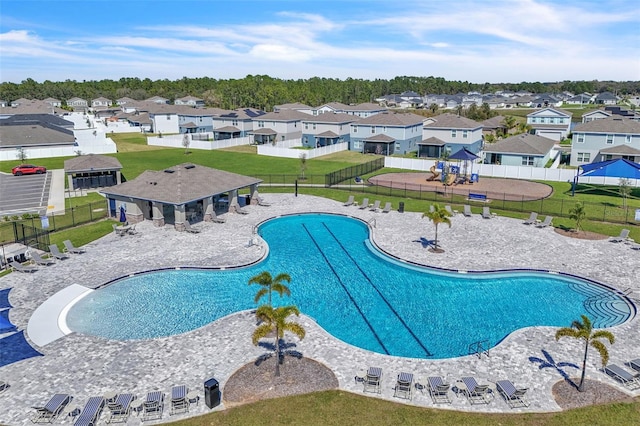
191 101
605 139
276 126
327 129
235 124
53 102
448 133
100 103
295 106
596 114
386 133
197 120
158 100
362 110
78 104
551 123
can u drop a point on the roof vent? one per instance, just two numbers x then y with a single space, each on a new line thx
169 171
190 166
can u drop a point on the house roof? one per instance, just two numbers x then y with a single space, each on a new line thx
613 124
227 129
294 105
432 141
522 144
545 112
496 122
394 119
327 134
189 125
91 162
36 133
451 121
264 131
331 118
620 150
380 138
180 184
284 115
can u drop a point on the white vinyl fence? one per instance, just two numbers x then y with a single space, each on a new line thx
176 141
278 151
511 172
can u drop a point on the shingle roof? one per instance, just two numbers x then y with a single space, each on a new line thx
91 162
613 124
264 131
392 119
331 117
621 150
181 184
522 144
284 115
34 134
452 121
327 134
228 129
432 141
380 138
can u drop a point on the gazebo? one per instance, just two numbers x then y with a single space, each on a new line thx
180 192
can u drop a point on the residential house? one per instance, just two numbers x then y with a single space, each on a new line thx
494 126
449 133
362 110
53 102
520 150
581 99
617 110
20 101
296 106
158 100
596 114
386 133
606 98
546 100
235 124
78 104
125 101
280 125
101 103
605 139
138 119
191 101
551 123
39 135
436 99
327 129
164 118
197 120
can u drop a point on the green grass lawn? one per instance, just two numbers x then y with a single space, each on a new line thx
343 408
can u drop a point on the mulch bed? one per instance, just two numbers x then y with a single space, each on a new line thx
582 235
257 381
595 393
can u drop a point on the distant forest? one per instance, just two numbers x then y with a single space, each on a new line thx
263 92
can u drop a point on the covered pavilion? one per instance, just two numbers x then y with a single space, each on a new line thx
180 193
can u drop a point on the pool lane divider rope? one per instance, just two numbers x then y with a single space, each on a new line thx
379 292
346 291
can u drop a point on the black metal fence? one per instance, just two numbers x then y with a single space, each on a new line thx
11 231
349 173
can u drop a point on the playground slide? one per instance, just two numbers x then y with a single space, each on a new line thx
434 174
450 179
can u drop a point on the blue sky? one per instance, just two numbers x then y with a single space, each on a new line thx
476 41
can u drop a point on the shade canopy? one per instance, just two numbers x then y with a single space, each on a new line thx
463 154
612 168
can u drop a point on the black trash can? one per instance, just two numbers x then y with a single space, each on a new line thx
212 393
401 207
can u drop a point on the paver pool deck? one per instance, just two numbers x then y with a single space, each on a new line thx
85 366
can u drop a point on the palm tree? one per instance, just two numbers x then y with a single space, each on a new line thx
269 285
578 214
509 122
584 330
275 320
438 215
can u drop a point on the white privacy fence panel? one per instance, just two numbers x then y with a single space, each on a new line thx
511 172
276 151
177 141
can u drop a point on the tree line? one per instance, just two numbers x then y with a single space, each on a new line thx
263 91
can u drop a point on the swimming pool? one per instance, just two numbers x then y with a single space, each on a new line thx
353 291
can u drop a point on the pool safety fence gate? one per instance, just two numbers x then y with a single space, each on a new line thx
31 236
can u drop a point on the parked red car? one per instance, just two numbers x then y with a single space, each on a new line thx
28 169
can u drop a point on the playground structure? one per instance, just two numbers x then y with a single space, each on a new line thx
435 174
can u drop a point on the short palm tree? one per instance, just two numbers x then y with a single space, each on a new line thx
270 284
584 330
438 215
275 320
578 214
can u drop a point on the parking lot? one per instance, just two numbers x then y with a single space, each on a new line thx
24 194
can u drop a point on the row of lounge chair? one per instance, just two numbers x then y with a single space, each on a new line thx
39 260
119 407
439 390
365 204
626 378
533 220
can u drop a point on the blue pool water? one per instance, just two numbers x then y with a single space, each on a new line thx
354 292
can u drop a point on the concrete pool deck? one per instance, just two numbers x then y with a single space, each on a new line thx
85 366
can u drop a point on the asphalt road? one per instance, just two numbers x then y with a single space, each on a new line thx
24 194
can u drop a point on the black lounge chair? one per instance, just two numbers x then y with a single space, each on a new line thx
514 397
52 408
